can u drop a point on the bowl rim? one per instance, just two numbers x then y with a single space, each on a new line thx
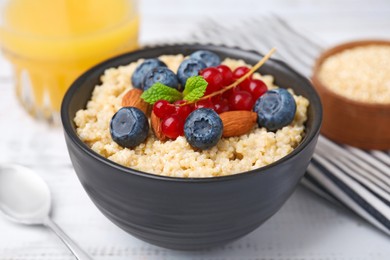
335 50
72 135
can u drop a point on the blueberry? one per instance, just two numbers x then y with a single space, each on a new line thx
189 68
209 58
129 127
275 109
203 128
162 75
138 76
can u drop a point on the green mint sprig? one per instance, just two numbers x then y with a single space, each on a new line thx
194 89
160 91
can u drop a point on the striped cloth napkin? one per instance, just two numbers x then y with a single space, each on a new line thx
357 179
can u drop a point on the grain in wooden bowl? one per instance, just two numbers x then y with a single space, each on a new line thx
353 80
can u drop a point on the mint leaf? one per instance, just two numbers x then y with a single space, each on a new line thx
195 88
160 91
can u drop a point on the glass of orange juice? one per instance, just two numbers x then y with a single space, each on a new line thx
51 42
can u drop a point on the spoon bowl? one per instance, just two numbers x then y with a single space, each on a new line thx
25 198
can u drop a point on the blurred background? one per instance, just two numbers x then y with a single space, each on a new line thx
330 21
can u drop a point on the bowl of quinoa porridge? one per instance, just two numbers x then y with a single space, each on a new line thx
173 192
353 80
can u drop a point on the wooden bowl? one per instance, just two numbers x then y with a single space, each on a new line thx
359 124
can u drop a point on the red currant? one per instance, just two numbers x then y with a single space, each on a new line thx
230 92
214 79
227 74
162 108
239 72
245 85
206 103
183 111
221 106
216 98
241 100
172 126
257 88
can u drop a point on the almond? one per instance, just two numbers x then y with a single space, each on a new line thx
236 123
133 99
155 121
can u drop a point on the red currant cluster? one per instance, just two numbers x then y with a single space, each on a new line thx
173 116
241 97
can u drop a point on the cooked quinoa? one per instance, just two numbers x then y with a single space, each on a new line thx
360 73
177 158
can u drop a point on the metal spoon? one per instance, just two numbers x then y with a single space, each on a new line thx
25 198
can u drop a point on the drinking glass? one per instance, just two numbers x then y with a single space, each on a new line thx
51 42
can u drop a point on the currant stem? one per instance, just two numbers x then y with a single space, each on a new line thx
238 81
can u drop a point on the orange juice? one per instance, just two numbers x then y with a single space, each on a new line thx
51 42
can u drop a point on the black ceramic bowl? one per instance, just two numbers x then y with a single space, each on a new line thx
188 214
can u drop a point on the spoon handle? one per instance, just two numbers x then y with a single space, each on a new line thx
73 247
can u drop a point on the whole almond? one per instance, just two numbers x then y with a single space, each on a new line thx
236 123
133 99
155 121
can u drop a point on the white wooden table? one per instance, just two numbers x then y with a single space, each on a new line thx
307 227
